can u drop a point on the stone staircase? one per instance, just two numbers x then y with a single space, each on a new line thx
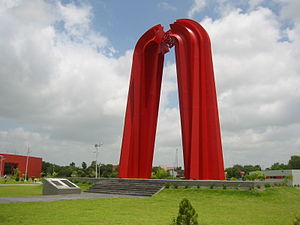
138 187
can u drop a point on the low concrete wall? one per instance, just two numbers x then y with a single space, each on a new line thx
215 184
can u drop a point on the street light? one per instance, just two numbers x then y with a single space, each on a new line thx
97 146
27 159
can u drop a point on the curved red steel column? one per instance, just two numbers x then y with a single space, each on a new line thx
201 140
142 105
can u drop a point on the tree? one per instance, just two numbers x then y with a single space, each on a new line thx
106 170
235 171
294 162
250 168
160 173
255 176
83 165
16 174
49 168
187 214
279 166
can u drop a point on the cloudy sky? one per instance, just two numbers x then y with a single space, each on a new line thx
65 67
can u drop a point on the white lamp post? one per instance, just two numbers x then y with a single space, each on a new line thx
27 161
97 146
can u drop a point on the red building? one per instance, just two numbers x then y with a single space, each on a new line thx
8 162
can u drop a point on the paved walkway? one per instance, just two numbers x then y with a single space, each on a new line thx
49 198
20 184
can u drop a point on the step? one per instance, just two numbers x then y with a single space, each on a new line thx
126 187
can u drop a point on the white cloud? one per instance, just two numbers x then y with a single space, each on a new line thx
290 10
57 74
63 88
166 6
197 7
257 78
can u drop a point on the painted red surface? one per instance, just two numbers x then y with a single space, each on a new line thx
34 164
201 139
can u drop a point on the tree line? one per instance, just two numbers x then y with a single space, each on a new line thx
108 170
239 171
53 170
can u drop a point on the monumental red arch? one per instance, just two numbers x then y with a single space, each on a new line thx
201 139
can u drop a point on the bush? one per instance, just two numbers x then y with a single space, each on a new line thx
167 186
297 220
255 176
175 186
211 186
224 186
251 187
267 185
160 173
186 215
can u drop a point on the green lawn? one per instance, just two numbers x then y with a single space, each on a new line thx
20 190
13 190
275 206
13 181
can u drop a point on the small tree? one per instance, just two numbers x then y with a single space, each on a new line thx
16 174
186 215
160 173
255 176
288 180
297 220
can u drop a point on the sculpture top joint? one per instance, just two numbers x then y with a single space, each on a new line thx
168 39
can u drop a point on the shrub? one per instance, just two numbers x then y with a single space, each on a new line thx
198 186
288 180
255 176
186 215
211 186
167 186
251 187
175 186
267 185
224 186
297 220
160 173
186 186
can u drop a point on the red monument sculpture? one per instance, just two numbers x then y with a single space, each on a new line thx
201 139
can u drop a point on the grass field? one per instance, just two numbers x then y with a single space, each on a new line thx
275 206
13 181
13 190
20 190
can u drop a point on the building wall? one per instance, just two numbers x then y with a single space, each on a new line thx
296 177
34 164
279 175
